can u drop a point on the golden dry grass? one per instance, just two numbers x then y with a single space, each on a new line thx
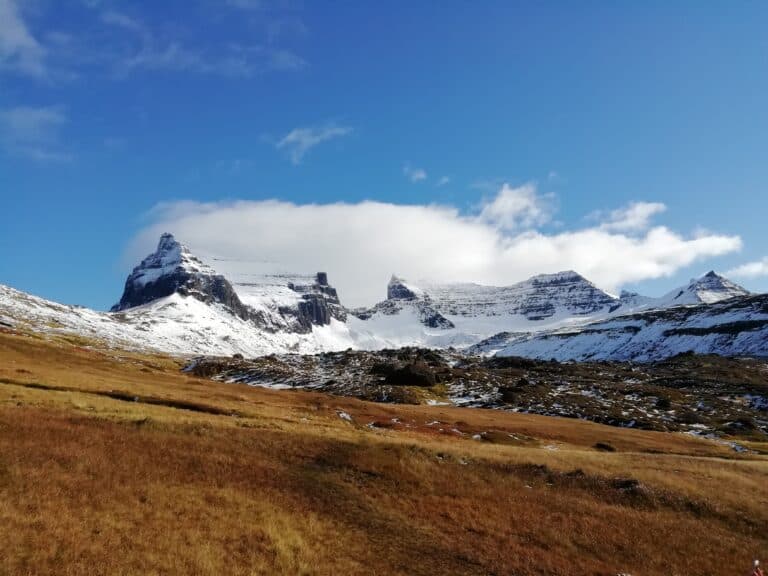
116 463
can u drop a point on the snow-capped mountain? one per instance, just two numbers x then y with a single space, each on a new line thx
460 315
708 289
174 324
547 315
172 269
288 307
731 327
541 298
175 302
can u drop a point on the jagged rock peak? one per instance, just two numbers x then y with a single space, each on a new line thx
169 256
167 242
320 302
398 289
173 269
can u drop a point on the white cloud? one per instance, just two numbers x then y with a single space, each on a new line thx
19 50
299 141
152 52
121 20
33 132
281 59
750 269
443 181
246 4
235 165
414 174
635 216
56 55
361 245
173 56
520 207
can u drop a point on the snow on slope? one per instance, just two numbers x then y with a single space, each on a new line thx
185 325
708 289
539 298
260 282
175 303
403 327
269 290
172 269
273 305
459 315
732 327
169 258
175 324
262 285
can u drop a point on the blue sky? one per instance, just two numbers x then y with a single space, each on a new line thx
110 108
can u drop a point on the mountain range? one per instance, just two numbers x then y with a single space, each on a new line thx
174 302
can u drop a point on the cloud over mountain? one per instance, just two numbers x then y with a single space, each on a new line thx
360 245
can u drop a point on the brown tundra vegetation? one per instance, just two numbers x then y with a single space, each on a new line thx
113 462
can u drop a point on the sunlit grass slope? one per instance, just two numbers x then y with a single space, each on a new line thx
117 463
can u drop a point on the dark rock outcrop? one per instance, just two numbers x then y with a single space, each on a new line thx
397 289
416 374
431 318
319 303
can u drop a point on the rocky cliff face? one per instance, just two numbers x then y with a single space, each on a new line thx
543 296
319 303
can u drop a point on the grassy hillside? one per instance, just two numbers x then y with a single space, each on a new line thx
117 463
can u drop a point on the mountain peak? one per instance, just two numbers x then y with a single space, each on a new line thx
167 241
713 287
172 268
399 289
712 278
168 245
169 256
708 289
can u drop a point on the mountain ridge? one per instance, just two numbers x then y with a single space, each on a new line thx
175 302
